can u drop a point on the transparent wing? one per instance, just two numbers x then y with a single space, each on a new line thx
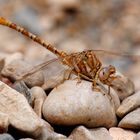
36 68
120 60
118 54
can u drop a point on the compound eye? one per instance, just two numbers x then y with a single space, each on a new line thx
112 72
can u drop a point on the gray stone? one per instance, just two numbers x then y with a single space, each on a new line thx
131 120
71 103
129 104
6 136
82 133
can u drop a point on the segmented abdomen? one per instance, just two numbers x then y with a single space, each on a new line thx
84 62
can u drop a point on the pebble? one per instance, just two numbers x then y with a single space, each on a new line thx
20 114
123 86
121 134
129 104
22 88
6 136
131 120
38 97
71 104
82 133
17 68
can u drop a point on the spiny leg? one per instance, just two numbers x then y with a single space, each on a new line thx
94 84
80 75
109 93
67 74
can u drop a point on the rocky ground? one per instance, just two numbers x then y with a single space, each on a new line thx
41 106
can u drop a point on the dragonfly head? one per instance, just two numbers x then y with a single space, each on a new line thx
107 74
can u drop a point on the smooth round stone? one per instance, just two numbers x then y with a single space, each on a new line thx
129 104
131 120
71 104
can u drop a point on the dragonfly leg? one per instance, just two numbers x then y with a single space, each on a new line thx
67 74
109 93
78 78
94 86
80 75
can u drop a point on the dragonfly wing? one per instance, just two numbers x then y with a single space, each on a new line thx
117 54
35 69
122 61
54 74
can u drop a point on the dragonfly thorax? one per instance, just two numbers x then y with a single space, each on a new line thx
107 74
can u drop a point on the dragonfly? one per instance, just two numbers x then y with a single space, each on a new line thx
85 65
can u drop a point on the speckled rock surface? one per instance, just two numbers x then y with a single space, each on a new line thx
71 103
129 104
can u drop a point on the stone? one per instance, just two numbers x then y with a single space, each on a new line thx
137 137
4 122
22 88
6 136
131 120
21 115
72 104
121 134
38 97
123 86
129 104
16 69
82 133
